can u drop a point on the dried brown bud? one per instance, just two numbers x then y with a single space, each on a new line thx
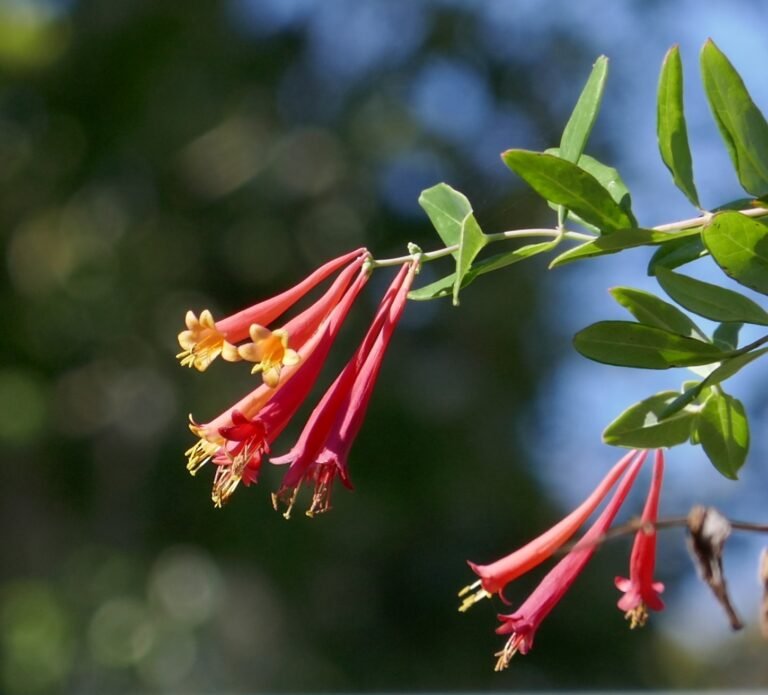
708 530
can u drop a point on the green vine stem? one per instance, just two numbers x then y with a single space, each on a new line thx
555 234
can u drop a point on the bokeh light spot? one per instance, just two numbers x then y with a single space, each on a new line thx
35 639
22 406
121 632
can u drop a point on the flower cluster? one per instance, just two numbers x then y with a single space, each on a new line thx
640 591
290 359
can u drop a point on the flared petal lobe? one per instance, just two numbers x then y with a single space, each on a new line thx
495 576
205 339
525 621
640 591
320 454
245 432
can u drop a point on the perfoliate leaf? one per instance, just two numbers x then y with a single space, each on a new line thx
641 426
723 430
741 125
444 286
628 344
579 126
678 252
451 214
564 183
739 246
619 241
647 308
670 125
710 301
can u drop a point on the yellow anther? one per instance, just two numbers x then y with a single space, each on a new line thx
199 453
637 617
478 595
286 497
506 654
270 352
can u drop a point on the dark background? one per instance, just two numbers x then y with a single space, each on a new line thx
160 156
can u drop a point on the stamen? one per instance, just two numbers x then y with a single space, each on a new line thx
471 600
469 587
637 617
321 498
506 654
287 497
199 454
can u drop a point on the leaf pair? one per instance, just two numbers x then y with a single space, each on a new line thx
719 424
453 218
741 124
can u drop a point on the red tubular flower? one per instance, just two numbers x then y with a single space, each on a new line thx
321 452
640 591
238 439
205 339
523 623
494 577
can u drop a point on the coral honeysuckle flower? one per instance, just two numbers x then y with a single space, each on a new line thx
269 349
523 623
321 452
494 577
640 591
237 440
205 339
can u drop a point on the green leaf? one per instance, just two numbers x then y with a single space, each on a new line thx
710 301
650 310
726 335
444 286
579 126
670 125
451 214
723 430
740 122
739 246
641 425
678 252
610 179
733 365
629 344
619 241
564 183
726 370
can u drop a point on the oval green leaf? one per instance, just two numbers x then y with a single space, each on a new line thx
710 301
739 246
444 286
610 179
629 344
726 335
579 126
670 125
678 252
451 214
641 424
649 309
564 183
741 125
726 370
619 241
723 430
